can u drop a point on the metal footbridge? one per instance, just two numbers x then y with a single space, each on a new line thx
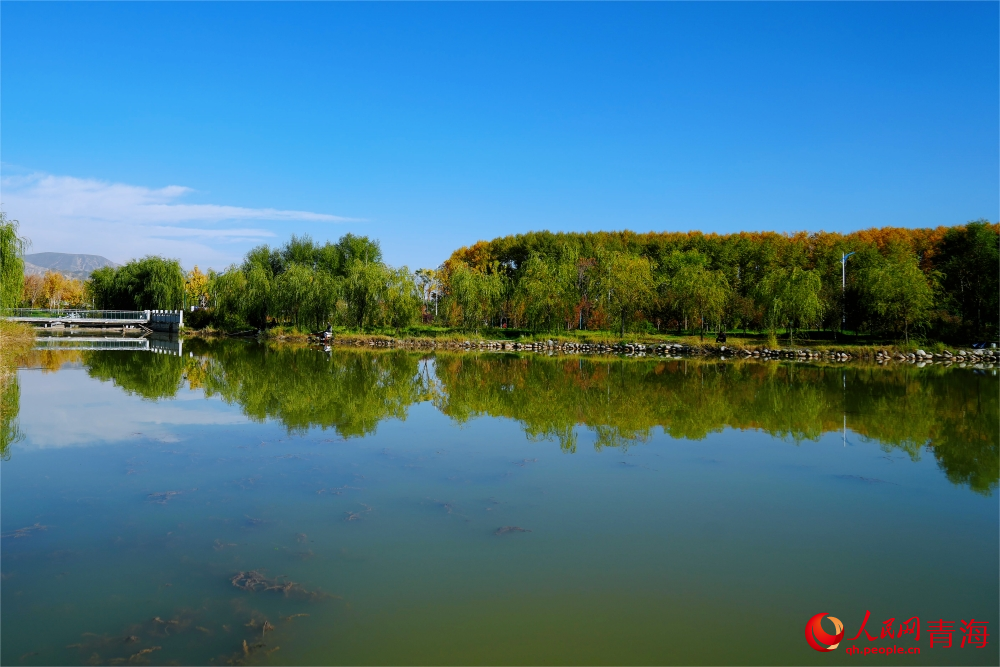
73 316
155 320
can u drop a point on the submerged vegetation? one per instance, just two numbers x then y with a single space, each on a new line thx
951 413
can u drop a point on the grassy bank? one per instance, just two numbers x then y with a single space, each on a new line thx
16 339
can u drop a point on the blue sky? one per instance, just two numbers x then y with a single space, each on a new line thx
198 130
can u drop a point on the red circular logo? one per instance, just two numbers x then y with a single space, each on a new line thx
817 636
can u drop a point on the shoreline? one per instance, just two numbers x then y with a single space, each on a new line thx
989 357
985 358
738 349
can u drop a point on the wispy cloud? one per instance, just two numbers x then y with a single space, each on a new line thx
112 416
120 221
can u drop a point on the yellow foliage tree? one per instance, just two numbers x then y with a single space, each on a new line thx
59 291
196 287
34 291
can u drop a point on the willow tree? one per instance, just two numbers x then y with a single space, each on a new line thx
897 291
12 247
476 294
402 299
791 298
364 289
547 292
143 284
627 285
293 291
228 298
695 291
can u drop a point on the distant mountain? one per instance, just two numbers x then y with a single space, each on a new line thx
72 265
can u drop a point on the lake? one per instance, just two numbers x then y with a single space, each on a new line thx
230 502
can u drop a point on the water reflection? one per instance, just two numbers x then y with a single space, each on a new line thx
10 407
159 344
951 413
198 532
346 391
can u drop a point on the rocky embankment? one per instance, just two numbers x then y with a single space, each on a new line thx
977 358
985 358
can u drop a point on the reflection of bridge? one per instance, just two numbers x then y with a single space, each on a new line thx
159 346
156 320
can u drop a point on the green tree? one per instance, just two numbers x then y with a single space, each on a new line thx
476 294
968 261
99 288
12 247
627 286
228 298
791 298
897 291
150 283
402 299
358 249
697 292
364 289
547 291
293 293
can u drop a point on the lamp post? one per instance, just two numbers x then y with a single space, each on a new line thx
843 289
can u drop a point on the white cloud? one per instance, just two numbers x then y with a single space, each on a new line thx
122 221
84 411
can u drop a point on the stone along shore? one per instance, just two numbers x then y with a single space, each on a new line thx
985 358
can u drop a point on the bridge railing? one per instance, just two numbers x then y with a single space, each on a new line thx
74 313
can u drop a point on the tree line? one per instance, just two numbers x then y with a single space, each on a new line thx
300 284
894 282
897 282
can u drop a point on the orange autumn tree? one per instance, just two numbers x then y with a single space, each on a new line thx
53 290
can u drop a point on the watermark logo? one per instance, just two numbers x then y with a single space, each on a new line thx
940 633
819 638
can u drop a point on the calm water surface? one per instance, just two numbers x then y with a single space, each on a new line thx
656 511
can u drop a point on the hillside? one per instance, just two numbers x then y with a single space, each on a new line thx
69 264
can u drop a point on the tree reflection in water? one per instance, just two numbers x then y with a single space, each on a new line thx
952 413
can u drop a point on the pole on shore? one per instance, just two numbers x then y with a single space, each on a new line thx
843 289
